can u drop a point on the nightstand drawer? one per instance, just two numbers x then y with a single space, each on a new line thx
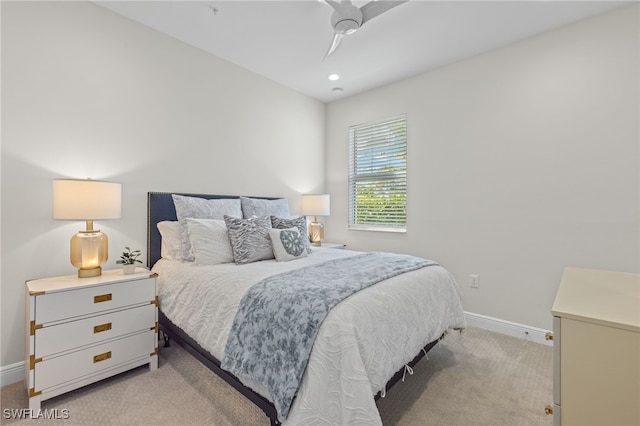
74 366
64 305
62 337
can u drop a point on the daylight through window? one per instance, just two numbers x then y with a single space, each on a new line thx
378 175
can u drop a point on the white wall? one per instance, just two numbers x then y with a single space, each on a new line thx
87 93
522 161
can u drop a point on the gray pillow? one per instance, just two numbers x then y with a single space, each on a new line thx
200 208
294 222
252 207
249 238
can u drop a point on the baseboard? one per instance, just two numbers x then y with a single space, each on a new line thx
513 329
12 373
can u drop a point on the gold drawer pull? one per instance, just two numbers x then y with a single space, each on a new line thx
548 410
101 357
102 298
102 327
548 336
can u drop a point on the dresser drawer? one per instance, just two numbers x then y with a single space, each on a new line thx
74 366
63 305
66 336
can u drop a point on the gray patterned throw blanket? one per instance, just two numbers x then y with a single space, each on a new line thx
279 317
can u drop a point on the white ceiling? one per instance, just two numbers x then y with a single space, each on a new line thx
286 41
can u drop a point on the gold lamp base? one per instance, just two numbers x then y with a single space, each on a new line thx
93 272
316 232
89 250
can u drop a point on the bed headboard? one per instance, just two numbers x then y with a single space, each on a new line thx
160 207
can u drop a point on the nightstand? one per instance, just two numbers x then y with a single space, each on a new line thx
329 245
82 330
596 348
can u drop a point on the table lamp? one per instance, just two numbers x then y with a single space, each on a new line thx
315 205
87 200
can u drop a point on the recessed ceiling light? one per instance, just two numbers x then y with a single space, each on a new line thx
334 77
337 89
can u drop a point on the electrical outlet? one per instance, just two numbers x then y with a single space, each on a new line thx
475 281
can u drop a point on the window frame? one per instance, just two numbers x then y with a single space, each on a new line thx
371 174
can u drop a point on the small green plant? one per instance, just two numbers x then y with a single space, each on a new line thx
129 257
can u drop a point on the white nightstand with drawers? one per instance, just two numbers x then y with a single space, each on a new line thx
329 245
82 330
596 348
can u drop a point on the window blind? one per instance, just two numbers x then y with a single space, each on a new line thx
378 175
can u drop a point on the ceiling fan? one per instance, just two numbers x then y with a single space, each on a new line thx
347 18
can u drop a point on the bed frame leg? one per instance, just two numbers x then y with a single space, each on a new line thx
165 336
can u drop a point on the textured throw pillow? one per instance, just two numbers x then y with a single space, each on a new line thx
298 222
171 246
287 244
209 241
252 207
249 238
200 208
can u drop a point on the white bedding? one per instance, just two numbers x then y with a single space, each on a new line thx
363 341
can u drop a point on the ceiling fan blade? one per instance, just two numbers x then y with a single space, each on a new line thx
375 8
337 39
339 6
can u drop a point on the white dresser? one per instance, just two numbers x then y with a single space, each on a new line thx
596 332
81 330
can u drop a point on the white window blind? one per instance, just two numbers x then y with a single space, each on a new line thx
378 175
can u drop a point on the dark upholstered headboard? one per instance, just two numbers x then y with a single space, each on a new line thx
160 207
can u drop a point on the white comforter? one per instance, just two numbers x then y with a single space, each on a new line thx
363 341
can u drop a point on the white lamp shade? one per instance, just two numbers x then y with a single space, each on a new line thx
86 199
315 205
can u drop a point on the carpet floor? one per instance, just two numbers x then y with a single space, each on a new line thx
472 378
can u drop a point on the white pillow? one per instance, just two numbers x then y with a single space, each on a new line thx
171 246
299 222
200 208
287 244
209 241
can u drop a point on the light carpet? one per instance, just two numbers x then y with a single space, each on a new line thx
472 378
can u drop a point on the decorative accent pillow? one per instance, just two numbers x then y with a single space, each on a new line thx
171 246
209 241
200 208
287 244
249 238
298 222
252 207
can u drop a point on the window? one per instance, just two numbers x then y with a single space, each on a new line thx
378 175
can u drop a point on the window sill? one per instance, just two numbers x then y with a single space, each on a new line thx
378 229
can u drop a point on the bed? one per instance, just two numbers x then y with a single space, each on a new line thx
367 341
